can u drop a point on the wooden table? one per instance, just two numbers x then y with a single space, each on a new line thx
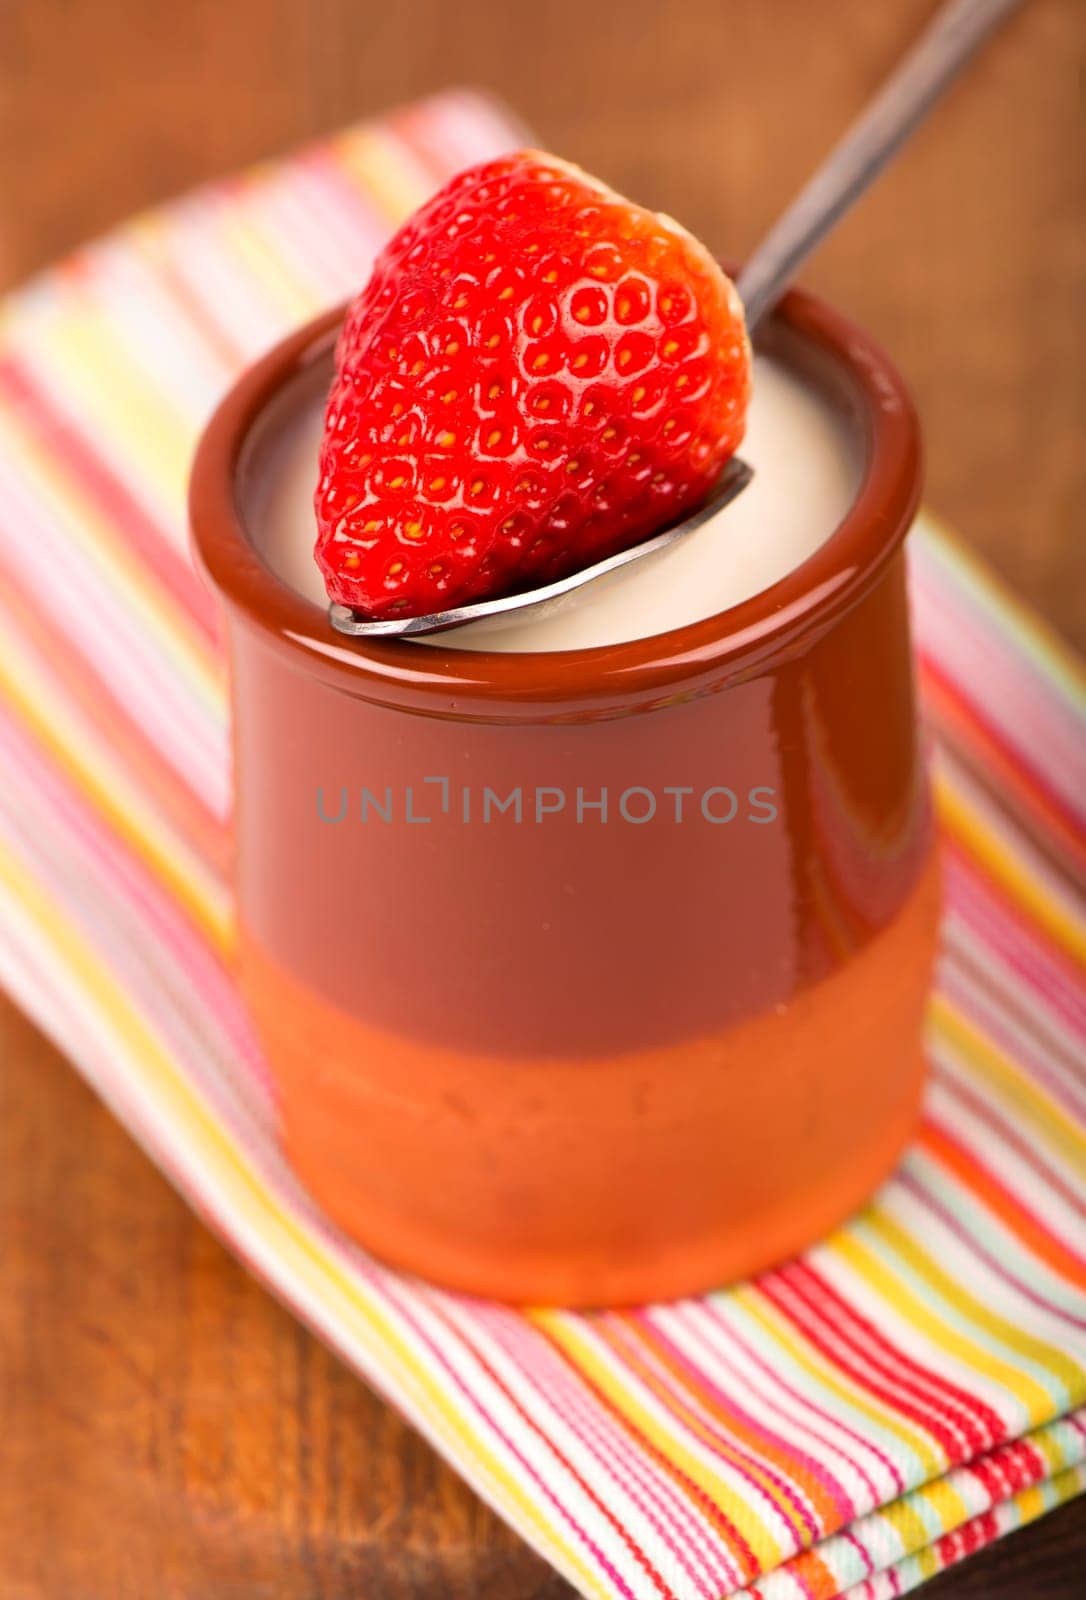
165 1429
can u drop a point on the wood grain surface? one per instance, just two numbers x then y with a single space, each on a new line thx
166 1430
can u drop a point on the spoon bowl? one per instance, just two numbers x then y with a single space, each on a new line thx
547 597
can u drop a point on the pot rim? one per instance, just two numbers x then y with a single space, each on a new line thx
638 674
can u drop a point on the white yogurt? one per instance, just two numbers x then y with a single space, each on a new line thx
806 472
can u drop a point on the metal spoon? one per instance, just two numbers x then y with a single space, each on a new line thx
957 31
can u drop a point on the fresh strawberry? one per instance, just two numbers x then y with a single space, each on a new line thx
537 375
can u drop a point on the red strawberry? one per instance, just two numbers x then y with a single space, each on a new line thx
537 375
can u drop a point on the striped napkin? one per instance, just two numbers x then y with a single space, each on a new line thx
848 1424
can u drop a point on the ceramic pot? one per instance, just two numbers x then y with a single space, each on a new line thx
593 976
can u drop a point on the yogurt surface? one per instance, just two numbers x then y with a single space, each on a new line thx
806 473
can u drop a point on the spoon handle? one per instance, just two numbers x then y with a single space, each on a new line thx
958 29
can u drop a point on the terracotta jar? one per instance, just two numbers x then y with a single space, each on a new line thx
535 1052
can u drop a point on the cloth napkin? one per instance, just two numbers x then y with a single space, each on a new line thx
848 1424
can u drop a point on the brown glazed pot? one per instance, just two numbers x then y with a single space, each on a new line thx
569 1058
